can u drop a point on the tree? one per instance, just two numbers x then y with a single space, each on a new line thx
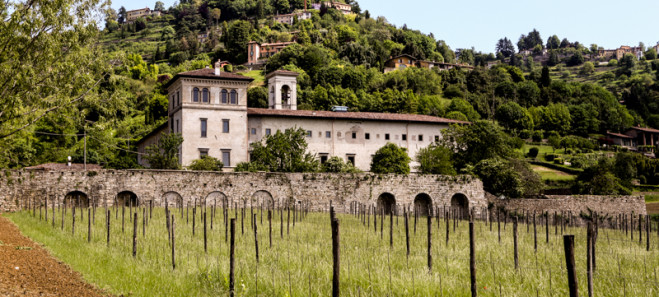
545 79
514 117
593 50
554 141
556 117
216 13
565 43
626 65
122 15
505 47
257 97
479 141
435 159
587 68
553 42
390 159
463 107
159 6
50 60
509 177
576 59
283 152
237 39
164 154
206 163
553 59
651 54
282 6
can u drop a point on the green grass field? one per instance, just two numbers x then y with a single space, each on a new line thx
300 263
257 75
552 174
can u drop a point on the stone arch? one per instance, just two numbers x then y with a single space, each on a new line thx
386 203
127 198
460 203
423 204
263 197
173 199
77 199
216 198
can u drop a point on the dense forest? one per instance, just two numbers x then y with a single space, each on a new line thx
104 92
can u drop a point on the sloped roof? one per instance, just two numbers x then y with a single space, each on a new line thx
369 116
649 130
209 73
619 135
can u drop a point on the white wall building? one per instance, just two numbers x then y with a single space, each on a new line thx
209 109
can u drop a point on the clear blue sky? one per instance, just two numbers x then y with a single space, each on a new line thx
480 23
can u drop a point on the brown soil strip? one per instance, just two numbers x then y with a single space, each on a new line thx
652 208
26 269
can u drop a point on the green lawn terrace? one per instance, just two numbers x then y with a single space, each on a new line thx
298 262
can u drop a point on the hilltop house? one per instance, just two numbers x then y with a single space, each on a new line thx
208 108
132 15
404 61
635 139
257 53
342 7
289 18
620 52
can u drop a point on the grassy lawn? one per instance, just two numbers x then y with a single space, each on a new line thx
552 174
257 75
652 198
542 150
300 262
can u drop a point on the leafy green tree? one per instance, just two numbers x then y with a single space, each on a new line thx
626 65
237 39
556 117
553 59
545 79
216 13
584 119
282 6
565 43
651 54
462 106
50 60
283 152
553 42
514 117
509 177
576 59
588 68
505 47
599 179
554 141
159 6
121 18
435 159
337 165
257 97
206 163
479 141
391 159
164 154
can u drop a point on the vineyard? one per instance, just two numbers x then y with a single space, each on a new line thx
141 251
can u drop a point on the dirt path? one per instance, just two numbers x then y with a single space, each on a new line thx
26 269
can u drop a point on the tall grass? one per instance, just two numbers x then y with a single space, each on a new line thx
300 263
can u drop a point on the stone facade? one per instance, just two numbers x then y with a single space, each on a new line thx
315 189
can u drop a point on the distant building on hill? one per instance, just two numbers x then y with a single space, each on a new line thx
620 52
638 138
405 61
135 14
208 107
258 53
289 18
342 7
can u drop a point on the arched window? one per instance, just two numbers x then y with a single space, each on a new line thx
224 97
234 97
204 95
285 95
195 95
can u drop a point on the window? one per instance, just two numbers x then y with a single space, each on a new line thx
225 126
204 124
328 134
323 158
404 136
420 137
309 133
224 97
203 152
354 135
178 98
253 131
436 138
171 123
268 131
204 95
367 136
351 159
195 95
386 136
177 130
226 158
234 97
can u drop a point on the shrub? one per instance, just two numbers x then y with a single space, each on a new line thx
525 134
516 142
206 163
550 157
533 152
613 63
558 161
537 135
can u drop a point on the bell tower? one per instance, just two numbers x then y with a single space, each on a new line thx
282 90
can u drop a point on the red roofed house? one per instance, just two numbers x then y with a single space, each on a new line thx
209 108
259 53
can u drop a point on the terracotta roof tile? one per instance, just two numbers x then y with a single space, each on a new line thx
370 116
619 135
651 130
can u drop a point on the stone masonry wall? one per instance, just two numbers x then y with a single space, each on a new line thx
317 189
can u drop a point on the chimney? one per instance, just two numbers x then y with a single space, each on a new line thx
217 67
